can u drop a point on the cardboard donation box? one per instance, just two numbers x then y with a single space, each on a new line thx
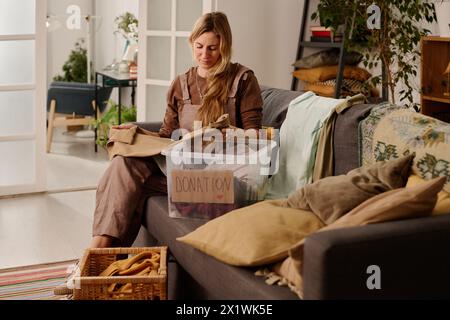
209 183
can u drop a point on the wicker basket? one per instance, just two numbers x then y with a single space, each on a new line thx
90 286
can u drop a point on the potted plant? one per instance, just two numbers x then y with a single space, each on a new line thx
110 118
75 68
396 43
127 26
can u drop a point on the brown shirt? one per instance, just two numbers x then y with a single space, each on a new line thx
248 102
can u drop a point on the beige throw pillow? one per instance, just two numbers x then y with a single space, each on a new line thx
332 197
330 72
256 235
443 201
403 203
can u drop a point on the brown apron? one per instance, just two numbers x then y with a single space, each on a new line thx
187 112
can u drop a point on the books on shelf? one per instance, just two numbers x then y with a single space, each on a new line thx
321 31
322 34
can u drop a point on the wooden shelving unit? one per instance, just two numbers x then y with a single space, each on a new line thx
435 58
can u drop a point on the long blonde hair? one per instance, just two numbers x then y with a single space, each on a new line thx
222 74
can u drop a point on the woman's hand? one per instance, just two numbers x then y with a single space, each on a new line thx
123 126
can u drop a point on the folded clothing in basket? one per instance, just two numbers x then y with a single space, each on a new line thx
143 264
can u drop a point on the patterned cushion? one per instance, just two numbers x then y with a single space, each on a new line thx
404 132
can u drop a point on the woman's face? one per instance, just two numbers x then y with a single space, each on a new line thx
206 50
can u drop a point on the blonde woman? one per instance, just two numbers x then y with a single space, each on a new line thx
203 93
213 87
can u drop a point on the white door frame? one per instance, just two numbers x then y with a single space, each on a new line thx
39 87
143 81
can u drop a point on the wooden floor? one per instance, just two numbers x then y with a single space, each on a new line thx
55 226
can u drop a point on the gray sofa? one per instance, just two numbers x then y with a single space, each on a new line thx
412 254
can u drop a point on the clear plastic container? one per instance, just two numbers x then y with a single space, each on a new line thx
205 184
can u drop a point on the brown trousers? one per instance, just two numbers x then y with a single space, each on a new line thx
121 196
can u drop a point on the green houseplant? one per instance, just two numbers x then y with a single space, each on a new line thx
396 43
75 68
110 118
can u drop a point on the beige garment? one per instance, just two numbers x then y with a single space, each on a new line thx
135 142
324 164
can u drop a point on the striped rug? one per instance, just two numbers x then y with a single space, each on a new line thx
33 282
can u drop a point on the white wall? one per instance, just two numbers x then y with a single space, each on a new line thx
265 36
110 47
62 40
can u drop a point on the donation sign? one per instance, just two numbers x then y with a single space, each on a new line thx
202 186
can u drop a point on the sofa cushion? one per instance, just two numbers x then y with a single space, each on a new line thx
327 58
219 280
275 105
331 197
330 72
255 235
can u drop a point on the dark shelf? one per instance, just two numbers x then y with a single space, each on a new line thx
302 44
310 44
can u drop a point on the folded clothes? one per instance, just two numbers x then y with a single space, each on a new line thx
143 264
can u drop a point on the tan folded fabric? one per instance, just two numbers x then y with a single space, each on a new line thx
332 197
131 265
136 142
324 164
122 135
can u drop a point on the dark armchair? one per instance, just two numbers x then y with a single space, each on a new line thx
73 98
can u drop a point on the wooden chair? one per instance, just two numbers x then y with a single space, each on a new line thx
73 98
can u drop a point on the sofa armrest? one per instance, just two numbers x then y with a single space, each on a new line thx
413 257
150 126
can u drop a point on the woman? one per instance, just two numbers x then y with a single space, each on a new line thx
205 92
214 87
